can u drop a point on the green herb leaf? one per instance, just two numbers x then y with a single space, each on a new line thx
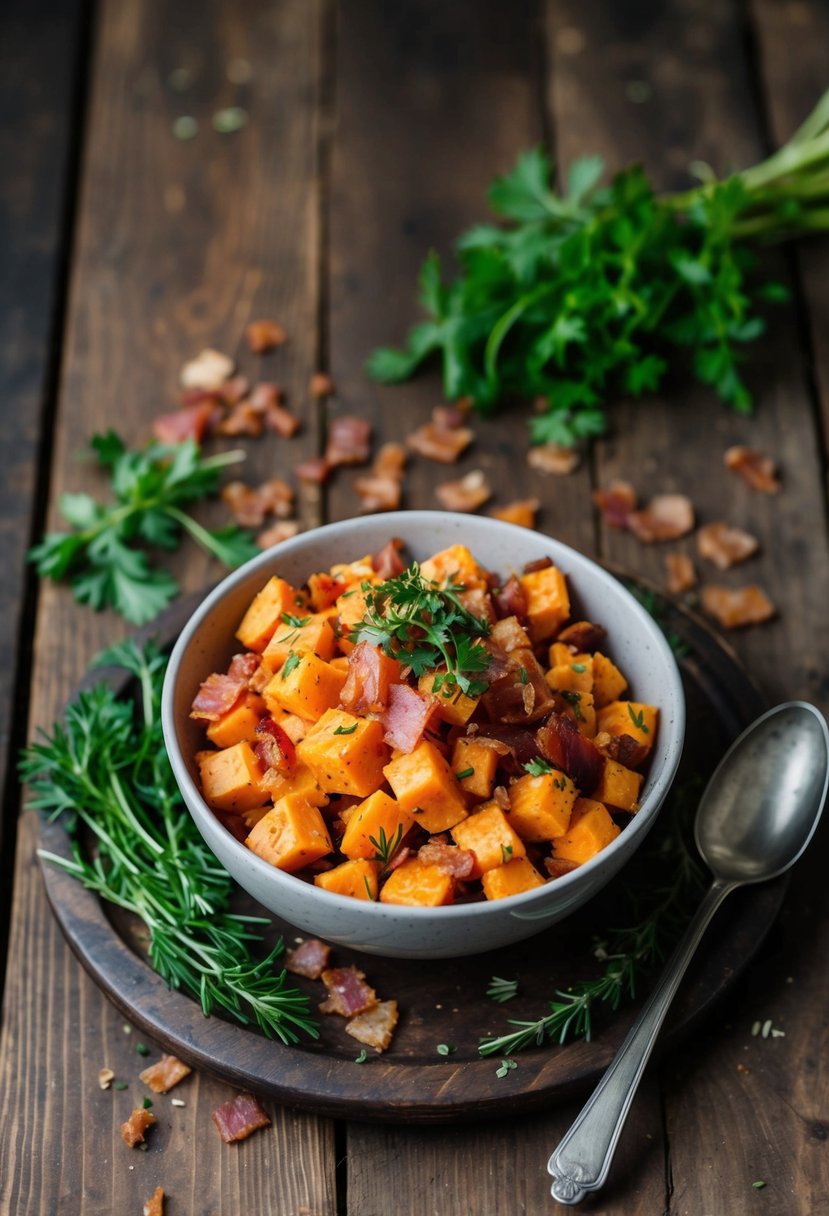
361 1057
290 663
445 1049
501 990
345 730
464 773
538 767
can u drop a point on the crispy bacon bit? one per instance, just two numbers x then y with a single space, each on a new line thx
388 563
165 1074
268 400
105 1078
511 600
557 867
725 545
381 487
348 993
680 573
217 695
509 634
349 440
540 563
758 470
266 394
233 390
521 512
250 505
310 958
448 858
624 749
321 385
666 517
443 439
397 858
376 1026
501 795
154 1206
371 675
406 716
734 607
520 693
244 666
317 470
467 494
189 422
553 458
263 336
583 636
243 419
448 417
560 742
239 1118
284 530
132 1132
274 747
616 503
520 743
208 371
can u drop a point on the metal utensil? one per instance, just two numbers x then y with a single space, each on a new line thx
756 817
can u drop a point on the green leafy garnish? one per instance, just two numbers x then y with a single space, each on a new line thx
426 626
538 767
638 719
105 557
464 773
587 292
290 663
501 990
445 1049
345 730
104 770
385 847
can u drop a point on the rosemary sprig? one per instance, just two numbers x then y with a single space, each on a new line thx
105 771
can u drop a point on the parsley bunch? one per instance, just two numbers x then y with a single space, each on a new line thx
426 626
583 294
103 556
105 771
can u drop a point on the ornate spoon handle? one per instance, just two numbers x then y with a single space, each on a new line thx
582 1160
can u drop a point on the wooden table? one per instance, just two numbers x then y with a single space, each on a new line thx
372 132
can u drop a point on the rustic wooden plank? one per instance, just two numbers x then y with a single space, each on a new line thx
178 246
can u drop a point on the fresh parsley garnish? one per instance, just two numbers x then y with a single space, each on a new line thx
538 767
290 663
345 730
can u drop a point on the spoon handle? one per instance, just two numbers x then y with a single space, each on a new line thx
582 1160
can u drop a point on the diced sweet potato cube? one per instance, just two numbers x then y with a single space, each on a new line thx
238 723
575 674
314 636
548 601
453 705
474 765
357 878
418 885
369 823
323 590
231 779
346 754
511 878
425 785
340 663
629 718
619 786
488 834
540 807
300 781
351 608
608 681
291 835
455 564
510 634
591 829
265 613
305 685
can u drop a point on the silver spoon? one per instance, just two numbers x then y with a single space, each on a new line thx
757 815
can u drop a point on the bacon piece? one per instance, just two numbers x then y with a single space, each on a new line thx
233 390
310 958
725 545
616 502
624 749
560 742
553 458
375 1027
154 1206
521 512
348 993
521 694
666 517
734 607
583 636
539 563
284 530
511 600
208 370
406 716
250 505
448 417
388 563
321 385
467 494
239 1118
381 487
165 1074
243 419
759 471
189 422
274 747
680 572
509 634
217 695
317 470
557 867
443 439
449 858
264 336
132 1132
371 676
520 743
267 399
349 440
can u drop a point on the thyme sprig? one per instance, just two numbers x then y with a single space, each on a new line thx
105 772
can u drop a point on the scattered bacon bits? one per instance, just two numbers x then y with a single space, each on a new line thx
264 336
165 1074
189 422
449 858
155 1204
522 512
734 608
444 438
216 696
348 993
583 635
680 573
758 470
380 489
268 400
284 530
557 867
208 370
105 1078
321 385
239 1118
132 1132
243 419
387 562
471 492
250 505
233 390
375 1026
553 458
310 958
666 517
349 440
317 470
616 502
725 545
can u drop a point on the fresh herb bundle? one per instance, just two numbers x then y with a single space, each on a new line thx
426 626
104 556
584 294
105 771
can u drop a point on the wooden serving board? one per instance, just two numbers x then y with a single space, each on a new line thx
444 1002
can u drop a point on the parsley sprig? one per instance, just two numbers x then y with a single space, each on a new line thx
105 557
427 627
586 293
105 771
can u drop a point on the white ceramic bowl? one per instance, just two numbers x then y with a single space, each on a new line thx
635 642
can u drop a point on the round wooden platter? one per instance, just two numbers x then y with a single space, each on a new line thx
444 1002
